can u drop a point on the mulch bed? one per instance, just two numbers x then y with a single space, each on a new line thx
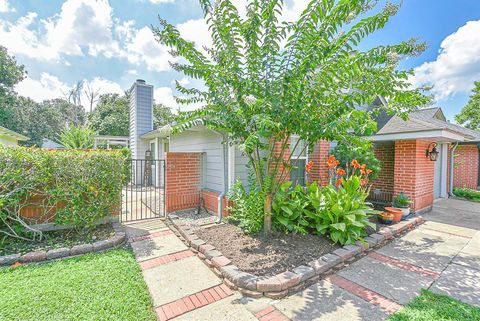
260 256
55 240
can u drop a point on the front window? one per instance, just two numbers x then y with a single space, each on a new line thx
298 161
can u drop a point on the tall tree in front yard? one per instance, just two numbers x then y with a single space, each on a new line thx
267 78
469 116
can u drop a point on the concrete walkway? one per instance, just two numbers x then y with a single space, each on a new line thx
444 258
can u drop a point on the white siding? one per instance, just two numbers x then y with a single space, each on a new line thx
209 142
241 170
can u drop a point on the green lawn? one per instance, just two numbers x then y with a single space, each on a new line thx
435 307
100 286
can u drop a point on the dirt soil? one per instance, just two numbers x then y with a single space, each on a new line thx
56 239
259 256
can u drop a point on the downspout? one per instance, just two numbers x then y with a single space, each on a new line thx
225 179
452 154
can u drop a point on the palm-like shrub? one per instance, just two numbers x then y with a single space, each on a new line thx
77 137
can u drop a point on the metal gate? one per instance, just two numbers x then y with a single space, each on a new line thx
143 196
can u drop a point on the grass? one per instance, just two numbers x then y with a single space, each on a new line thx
99 286
467 193
430 306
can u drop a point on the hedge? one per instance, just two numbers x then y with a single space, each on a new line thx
79 186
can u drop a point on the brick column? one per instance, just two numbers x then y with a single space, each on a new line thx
465 173
183 179
319 171
414 173
281 168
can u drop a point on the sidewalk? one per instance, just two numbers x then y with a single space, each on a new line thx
436 256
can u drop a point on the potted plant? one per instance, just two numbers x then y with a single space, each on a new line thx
402 202
385 218
396 212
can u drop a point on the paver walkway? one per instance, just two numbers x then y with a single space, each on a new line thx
444 258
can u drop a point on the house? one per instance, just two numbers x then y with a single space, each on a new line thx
10 138
406 150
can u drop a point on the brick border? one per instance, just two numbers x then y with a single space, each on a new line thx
192 302
288 282
365 294
61 253
403 265
271 314
165 259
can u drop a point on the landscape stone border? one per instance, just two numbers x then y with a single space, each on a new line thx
45 255
288 282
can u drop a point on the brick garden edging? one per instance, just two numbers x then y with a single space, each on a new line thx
39 256
288 282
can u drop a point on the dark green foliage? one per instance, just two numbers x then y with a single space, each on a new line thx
340 213
111 116
467 193
358 149
247 206
401 201
469 116
430 306
88 184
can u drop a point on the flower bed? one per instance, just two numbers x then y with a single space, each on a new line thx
68 250
293 279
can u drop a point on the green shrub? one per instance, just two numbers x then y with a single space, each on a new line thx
362 151
467 193
73 137
86 184
338 211
247 206
401 201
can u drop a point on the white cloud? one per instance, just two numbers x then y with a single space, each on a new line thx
196 31
5 7
161 1
51 87
164 95
143 49
47 87
81 27
457 65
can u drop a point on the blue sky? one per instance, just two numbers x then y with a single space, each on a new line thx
108 43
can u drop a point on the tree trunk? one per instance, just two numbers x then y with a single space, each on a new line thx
267 216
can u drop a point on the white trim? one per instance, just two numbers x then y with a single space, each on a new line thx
231 166
438 135
443 169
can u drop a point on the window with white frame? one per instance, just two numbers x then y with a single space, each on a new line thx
299 150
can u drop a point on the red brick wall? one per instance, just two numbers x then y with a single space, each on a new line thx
210 199
385 153
183 179
282 172
414 172
319 171
465 172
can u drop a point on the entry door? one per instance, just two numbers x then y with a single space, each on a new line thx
440 172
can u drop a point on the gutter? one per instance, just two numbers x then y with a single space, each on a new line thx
452 154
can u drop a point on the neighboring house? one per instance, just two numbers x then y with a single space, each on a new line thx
400 146
50 144
10 138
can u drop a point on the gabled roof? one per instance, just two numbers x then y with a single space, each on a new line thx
10 133
427 119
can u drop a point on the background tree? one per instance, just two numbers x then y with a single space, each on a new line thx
162 115
92 95
469 116
74 95
111 116
267 79
10 74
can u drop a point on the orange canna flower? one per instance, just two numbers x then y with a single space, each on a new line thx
355 164
339 182
309 166
369 171
332 162
341 171
363 182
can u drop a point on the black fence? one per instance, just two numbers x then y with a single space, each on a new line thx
143 196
